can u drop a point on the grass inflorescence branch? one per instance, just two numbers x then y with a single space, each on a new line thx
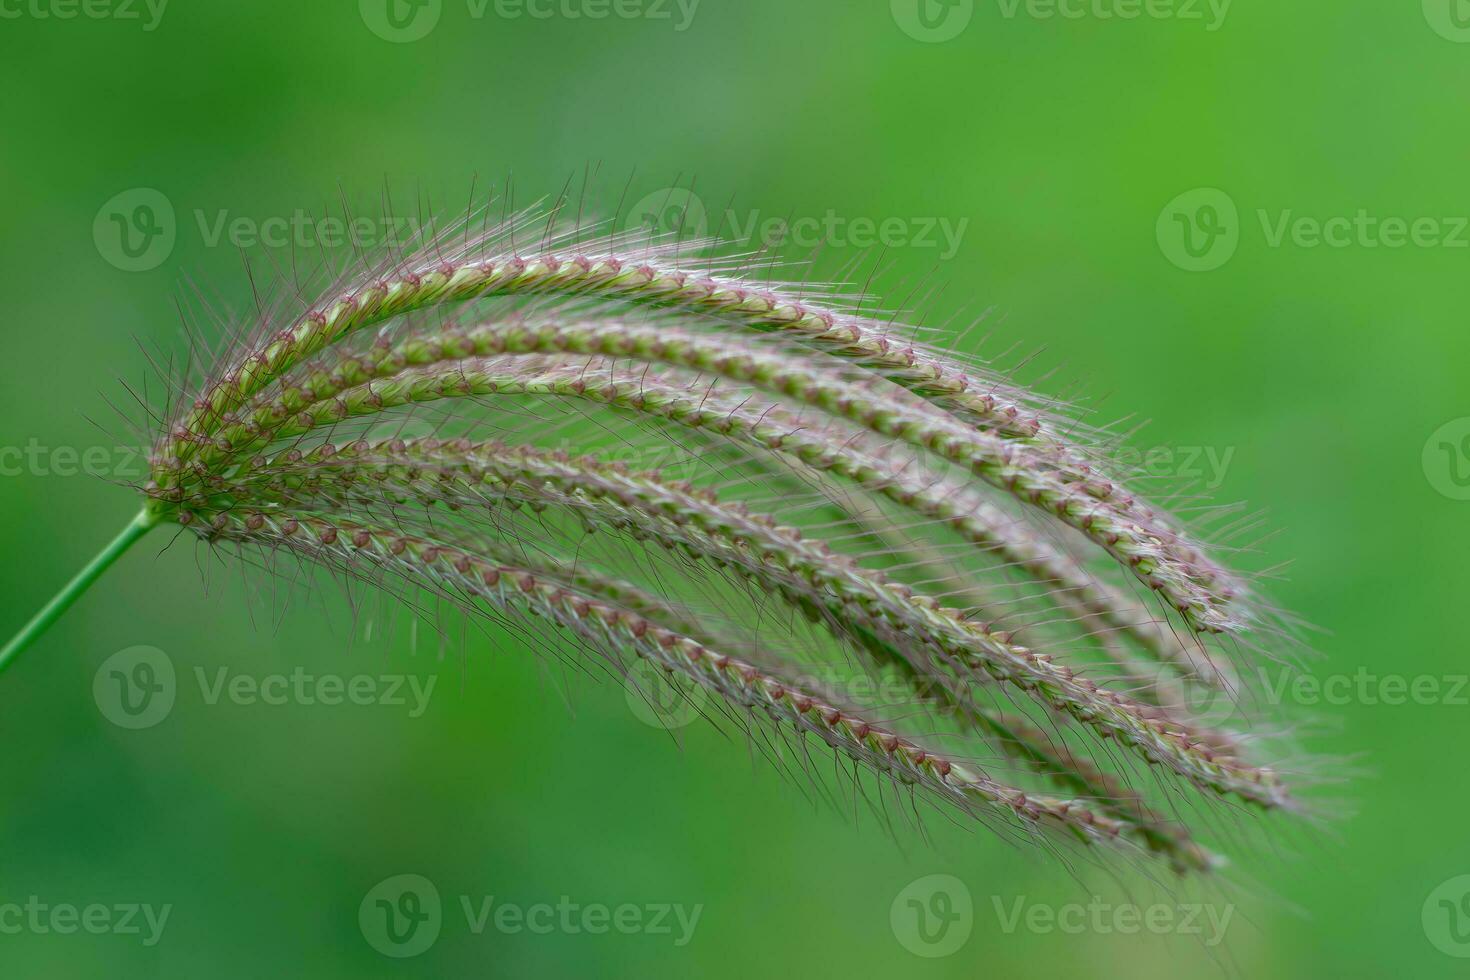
491 419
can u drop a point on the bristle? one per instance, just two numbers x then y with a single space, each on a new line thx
494 416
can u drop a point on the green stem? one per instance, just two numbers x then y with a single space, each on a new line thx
139 526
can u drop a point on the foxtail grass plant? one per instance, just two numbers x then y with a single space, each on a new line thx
662 453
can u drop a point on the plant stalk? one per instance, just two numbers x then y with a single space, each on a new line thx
73 590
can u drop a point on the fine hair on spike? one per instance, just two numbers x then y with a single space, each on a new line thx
656 451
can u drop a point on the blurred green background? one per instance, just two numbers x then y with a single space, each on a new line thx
1059 143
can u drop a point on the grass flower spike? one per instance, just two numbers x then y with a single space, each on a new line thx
660 454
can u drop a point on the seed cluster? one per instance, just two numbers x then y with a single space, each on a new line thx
898 443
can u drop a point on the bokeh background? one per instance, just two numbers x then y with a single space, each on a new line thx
1071 152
